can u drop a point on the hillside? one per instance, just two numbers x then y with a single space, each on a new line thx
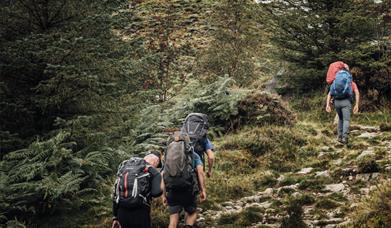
85 85
299 177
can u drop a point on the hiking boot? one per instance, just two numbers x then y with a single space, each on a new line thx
339 139
344 141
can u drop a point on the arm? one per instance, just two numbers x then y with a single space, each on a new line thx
211 159
156 188
201 181
328 108
163 187
356 106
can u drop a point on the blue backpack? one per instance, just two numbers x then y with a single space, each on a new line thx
342 85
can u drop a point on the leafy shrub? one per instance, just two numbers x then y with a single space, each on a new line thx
326 204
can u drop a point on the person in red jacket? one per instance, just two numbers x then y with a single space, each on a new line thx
343 108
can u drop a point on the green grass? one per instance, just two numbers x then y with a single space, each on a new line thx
374 210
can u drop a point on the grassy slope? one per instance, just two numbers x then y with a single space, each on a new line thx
275 156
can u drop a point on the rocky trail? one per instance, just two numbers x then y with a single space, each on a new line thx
328 190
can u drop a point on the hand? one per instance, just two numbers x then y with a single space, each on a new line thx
355 109
115 224
164 199
202 196
209 173
328 108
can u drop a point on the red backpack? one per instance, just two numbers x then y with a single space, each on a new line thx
333 69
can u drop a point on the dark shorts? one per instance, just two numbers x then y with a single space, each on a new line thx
134 218
181 200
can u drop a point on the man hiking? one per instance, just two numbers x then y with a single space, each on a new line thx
196 126
341 94
183 180
137 182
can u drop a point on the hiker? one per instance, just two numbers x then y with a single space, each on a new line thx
341 94
183 180
137 182
196 126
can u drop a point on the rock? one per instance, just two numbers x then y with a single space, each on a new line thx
288 188
368 135
375 175
228 208
365 128
268 192
324 222
364 191
281 178
296 194
325 148
322 155
228 203
265 205
237 207
363 177
337 162
250 199
322 174
305 170
368 152
335 187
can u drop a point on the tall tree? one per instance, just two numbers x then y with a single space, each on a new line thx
235 43
65 79
312 34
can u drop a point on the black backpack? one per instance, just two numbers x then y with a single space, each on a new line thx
179 174
196 126
133 184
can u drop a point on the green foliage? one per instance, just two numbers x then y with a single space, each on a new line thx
373 211
262 142
49 178
235 44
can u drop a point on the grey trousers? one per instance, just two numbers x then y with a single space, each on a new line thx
344 110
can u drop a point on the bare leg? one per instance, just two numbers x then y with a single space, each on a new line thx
174 219
191 218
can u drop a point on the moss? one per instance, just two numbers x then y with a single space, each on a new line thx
368 165
246 217
326 203
316 184
267 181
295 215
229 218
385 126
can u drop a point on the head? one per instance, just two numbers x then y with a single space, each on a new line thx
153 158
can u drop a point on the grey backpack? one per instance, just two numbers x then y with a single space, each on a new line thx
196 126
179 174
